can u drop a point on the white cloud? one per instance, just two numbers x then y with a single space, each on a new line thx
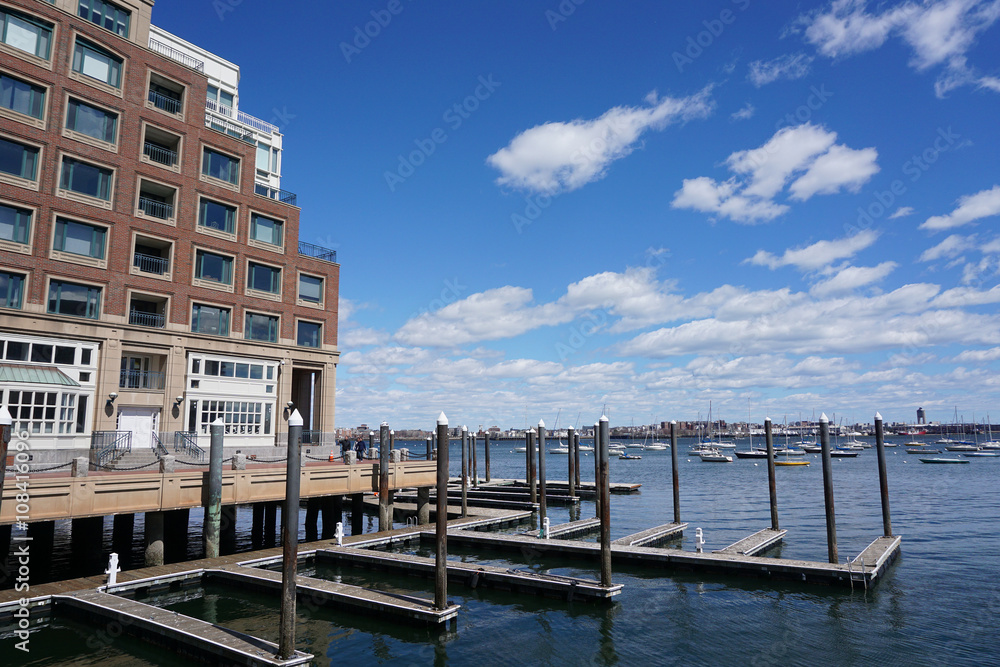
852 277
807 151
973 207
977 356
564 156
952 246
788 67
817 255
746 112
939 32
901 212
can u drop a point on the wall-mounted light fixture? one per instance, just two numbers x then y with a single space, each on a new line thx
111 397
178 400
290 404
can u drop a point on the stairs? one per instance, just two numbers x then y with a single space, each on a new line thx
144 457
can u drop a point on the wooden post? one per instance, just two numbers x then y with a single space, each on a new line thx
570 433
486 444
605 493
831 520
771 484
371 442
384 518
357 513
475 462
576 459
541 474
674 472
213 504
289 537
441 528
533 496
429 454
465 471
597 469
883 478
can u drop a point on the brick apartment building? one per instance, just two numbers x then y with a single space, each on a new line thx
151 276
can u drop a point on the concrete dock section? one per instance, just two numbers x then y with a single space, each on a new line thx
652 536
571 529
754 544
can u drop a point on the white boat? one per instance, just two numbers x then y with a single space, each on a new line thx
657 447
523 450
715 456
962 447
559 450
588 448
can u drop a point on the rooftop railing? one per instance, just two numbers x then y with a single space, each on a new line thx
174 54
219 124
317 252
284 196
245 118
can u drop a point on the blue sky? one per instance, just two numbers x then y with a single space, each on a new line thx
546 208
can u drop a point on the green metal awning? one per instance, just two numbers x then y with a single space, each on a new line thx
24 374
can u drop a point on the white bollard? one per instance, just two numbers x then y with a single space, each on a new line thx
545 528
699 539
113 569
339 534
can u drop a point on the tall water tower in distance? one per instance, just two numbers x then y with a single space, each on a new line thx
921 416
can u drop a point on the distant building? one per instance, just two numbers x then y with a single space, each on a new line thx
921 416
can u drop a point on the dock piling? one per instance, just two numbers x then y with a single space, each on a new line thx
154 538
674 472
597 469
605 495
883 478
357 513
429 455
831 521
571 480
532 477
123 528
541 471
384 518
290 538
486 444
771 483
465 471
576 459
475 461
213 505
441 527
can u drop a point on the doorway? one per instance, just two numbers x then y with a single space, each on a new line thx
142 422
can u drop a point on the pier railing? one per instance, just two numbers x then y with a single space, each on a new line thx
106 447
187 442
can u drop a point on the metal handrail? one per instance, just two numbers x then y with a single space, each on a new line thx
157 209
161 101
158 153
157 445
141 379
109 446
186 441
256 123
317 252
174 54
284 196
151 263
143 319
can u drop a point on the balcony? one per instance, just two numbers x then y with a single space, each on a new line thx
219 124
144 319
151 264
245 118
161 101
156 209
284 196
318 252
141 380
174 54
160 154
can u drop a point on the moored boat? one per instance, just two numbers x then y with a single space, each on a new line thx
791 463
943 460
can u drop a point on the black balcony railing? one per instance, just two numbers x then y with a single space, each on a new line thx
161 154
156 208
317 252
284 196
161 101
151 264
141 380
174 54
144 319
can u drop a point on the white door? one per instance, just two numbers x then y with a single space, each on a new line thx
142 422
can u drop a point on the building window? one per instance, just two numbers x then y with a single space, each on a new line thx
18 160
309 334
15 224
93 61
311 289
26 34
80 238
214 215
217 268
106 15
261 327
96 123
266 230
210 320
220 101
240 417
263 278
22 97
165 99
76 300
86 179
11 289
221 166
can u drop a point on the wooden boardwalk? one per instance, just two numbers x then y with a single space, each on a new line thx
652 536
182 634
754 544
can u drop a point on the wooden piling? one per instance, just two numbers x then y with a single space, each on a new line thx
486 444
429 451
605 494
771 483
475 462
465 471
290 537
441 529
357 513
597 469
674 472
576 458
571 479
154 538
213 504
883 478
384 518
831 521
532 476
541 473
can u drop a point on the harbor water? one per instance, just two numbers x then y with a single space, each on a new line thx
938 605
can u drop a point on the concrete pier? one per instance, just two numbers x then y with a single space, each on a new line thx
154 538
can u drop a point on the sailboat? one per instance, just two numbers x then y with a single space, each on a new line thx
990 443
750 453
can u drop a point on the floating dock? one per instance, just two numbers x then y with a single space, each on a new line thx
760 541
652 536
571 529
